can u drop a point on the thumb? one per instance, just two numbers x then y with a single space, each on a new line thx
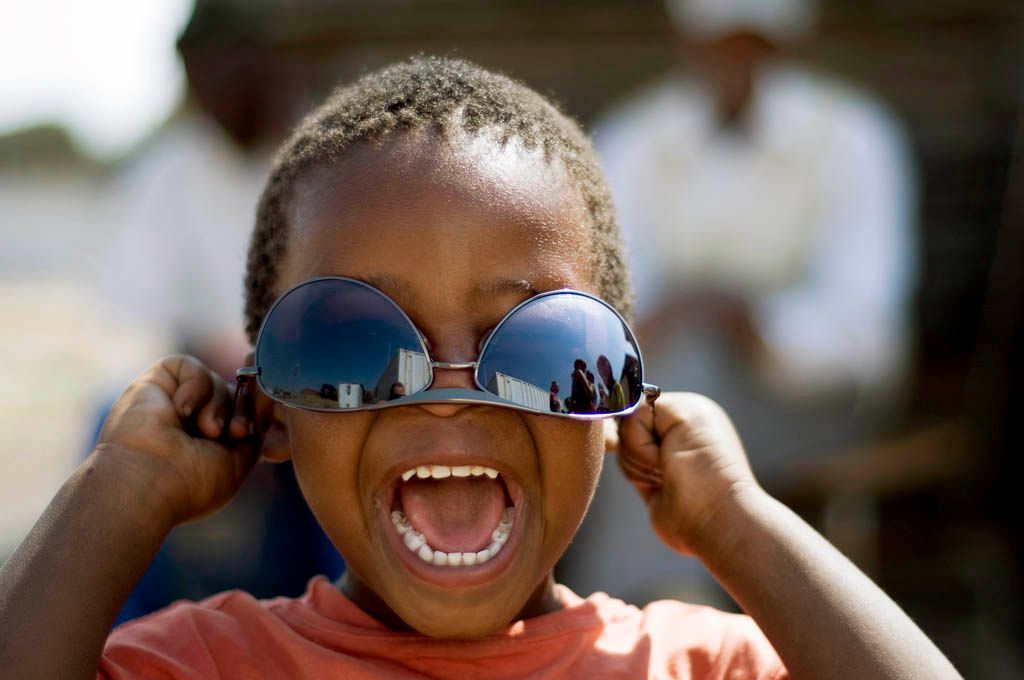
639 454
637 440
236 461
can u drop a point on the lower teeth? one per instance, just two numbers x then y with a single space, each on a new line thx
417 543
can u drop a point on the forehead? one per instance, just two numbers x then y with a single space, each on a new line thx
441 215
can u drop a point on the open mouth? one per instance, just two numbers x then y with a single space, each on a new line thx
454 516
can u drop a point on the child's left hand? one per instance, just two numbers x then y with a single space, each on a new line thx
699 467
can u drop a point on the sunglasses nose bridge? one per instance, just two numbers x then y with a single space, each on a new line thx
454 365
449 374
453 374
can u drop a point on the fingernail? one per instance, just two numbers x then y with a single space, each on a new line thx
219 421
187 410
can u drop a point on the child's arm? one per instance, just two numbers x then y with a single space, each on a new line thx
824 617
156 465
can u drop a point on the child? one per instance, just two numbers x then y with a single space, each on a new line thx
460 194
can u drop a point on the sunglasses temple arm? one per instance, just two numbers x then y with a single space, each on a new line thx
652 392
225 431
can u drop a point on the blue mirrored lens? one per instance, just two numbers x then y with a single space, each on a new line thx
335 344
563 353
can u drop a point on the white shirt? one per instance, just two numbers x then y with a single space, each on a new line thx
807 211
189 205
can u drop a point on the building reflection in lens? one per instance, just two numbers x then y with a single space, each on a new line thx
407 372
337 345
520 392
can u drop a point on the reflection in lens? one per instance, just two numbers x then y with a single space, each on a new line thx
563 353
555 404
334 344
518 391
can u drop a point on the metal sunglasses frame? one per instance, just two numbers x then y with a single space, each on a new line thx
447 395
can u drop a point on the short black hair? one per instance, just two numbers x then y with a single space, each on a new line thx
430 93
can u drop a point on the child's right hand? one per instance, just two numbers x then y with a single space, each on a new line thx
163 432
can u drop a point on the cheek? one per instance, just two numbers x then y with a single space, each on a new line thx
571 455
326 450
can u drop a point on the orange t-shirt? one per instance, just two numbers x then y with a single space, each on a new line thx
324 635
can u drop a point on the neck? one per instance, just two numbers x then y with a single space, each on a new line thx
543 600
366 599
732 104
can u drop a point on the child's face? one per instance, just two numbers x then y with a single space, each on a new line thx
457 233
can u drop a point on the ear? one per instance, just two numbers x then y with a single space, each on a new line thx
270 423
275 445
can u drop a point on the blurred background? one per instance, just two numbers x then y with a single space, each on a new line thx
823 202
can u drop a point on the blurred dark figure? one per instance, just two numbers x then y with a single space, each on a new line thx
177 268
555 404
329 392
770 215
397 390
594 393
189 195
581 398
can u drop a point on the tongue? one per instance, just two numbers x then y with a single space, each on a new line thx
457 514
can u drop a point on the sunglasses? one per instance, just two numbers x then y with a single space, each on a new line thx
337 344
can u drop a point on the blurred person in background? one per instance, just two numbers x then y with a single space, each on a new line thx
190 194
189 202
769 212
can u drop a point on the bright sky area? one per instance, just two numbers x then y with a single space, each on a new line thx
105 69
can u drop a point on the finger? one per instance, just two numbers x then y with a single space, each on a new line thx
211 416
644 488
673 409
639 466
638 473
194 384
636 439
245 452
239 407
241 456
159 381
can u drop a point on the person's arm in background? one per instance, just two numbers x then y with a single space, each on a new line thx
141 263
847 322
822 615
625 142
172 267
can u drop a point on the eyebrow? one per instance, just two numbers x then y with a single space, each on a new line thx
401 292
499 287
395 288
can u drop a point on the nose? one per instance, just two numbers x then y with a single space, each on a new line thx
452 353
447 375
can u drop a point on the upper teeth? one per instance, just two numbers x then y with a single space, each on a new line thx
443 471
